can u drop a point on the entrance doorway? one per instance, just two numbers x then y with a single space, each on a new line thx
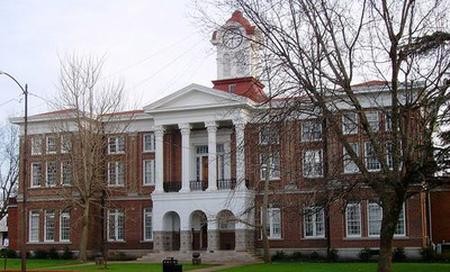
171 224
227 233
199 228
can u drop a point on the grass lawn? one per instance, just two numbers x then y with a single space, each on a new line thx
339 267
32 264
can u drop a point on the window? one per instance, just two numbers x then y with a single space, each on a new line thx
115 225
149 142
349 123
36 174
372 119
66 144
312 163
52 144
388 121
116 144
148 231
314 222
353 220
375 215
220 150
149 172
64 227
273 165
311 131
49 226
36 145
33 235
232 88
273 226
51 174
66 173
389 155
268 135
349 165
372 162
116 173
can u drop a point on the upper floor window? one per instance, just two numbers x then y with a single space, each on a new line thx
349 123
372 162
116 222
353 220
273 226
36 145
36 174
116 144
272 162
66 173
312 163
33 231
64 222
149 172
49 235
349 165
311 131
314 222
268 135
149 142
388 121
148 231
116 173
51 173
373 120
52 144
66 144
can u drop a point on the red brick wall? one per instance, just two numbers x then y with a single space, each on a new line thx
440 213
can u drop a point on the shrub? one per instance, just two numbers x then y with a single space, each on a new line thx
296 256
365 254
11 254
427 254
120 256
399 254
40 254
314 256
53 254
332 255
67 254
279 256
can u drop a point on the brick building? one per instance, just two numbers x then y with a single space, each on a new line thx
180 171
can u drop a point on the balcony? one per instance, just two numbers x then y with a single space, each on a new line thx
172 186
198 185
226 184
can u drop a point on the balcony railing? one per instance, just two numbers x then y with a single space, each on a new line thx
172 186
198 185
226 184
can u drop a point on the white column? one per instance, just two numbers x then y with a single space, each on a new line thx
159 159
239 127
185 129
211 126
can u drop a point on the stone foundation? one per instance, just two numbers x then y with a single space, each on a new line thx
213 240
245 240
185 240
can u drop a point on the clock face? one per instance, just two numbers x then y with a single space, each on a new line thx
232 38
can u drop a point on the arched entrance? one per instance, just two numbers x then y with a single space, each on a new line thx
171 225
199 228
227 235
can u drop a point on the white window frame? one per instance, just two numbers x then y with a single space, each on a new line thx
62 173
272 235
152 142
312 123
47 139
37 215
116 140
402 217
314 211
66 144
313 175
345 119
366 158
152 173
54 174
348 161
36 145
147 212
272 167
32 177
370 121
117 181
369 220
273 136
116 214
46 213
352 204
64 214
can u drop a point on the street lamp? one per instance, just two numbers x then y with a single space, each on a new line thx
23 253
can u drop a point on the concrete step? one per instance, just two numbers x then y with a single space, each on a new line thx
216 257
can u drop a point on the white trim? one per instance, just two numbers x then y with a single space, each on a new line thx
46 174
144 212
34 143
60 226
152 135
32 175
305 175
317 210
62 174
368 218
152 173
346 220
30 216
270 220
46 144
116 169
116 140
312 122
116 213
45 226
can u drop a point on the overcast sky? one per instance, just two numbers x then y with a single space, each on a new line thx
153 46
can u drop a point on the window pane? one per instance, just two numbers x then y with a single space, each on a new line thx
66 173
34 227
372 119
36 145
51 173
149 167
52 144
400 228
353 217
148 231
312 163
149 142
36 174
49 226
311 131
65 226
375 216
349 165
349 123
372 162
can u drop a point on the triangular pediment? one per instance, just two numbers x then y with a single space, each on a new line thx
195 96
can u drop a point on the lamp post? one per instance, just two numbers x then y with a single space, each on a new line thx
23 253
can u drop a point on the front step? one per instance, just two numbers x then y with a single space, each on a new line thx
216 257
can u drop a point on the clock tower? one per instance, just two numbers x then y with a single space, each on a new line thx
237 58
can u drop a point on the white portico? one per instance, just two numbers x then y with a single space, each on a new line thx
187 212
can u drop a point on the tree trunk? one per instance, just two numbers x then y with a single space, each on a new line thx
266 246
84 233
391 213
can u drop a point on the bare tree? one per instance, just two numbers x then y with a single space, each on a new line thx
9 166
316 51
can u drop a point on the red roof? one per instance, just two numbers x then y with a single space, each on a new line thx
124 112
371 83
63 111
240 19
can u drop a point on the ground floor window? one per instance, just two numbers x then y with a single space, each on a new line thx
314 222
353 220
375 216
148 230
116 225
49 226
64 226
34 226
273 226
